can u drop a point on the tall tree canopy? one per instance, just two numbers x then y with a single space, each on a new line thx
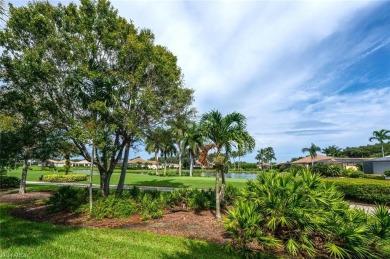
101 79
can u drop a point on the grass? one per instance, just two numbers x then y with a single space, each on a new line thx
142 179
20 238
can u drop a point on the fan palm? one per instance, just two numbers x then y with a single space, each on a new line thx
313 149
225 133
381 136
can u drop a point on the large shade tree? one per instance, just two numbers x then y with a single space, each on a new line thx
224 133
381 136
102 80
312 150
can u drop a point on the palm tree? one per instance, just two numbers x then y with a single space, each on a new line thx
270 155
167 147
381 136
224 133
313 149
332 151
153 143
192 141
261 157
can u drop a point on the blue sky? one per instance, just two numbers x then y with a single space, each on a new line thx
301 72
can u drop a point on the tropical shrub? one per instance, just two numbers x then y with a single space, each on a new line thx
326 169
64 178
297 213
387 173
113 207
9 181
68 198
150 208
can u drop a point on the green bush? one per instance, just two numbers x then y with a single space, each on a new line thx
387 172
362 189
150 208
9 181
303 217
69 199
356 174
63 170
113 207
326 169
65 178
374 176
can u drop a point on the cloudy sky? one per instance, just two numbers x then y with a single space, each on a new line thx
301 72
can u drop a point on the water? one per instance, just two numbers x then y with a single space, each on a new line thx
203 174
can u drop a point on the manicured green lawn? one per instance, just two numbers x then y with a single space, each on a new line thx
24 239
143 179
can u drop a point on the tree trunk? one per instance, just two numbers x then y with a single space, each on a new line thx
105 183
217 197
91 179
165 165
67 163
180 163
191 164
383 152
22 187
156 159
222 191
122 178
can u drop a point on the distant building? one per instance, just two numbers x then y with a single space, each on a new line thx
376 165
347 163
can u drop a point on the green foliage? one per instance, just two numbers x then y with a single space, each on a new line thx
151 208
65 178
374 176
113 207
356 174
289 211
193 199
366 190
9 181
387 173
68 198
380 222
326 169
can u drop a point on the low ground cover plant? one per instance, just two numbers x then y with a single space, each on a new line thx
65 178
298 215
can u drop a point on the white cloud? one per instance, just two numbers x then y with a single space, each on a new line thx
278 63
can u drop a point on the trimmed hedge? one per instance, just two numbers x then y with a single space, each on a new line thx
64 178
365 190
9 181
375 176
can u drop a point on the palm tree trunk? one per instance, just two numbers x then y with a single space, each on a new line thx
165 165
191 164
383 152
156 159
22 187
180 163
217 197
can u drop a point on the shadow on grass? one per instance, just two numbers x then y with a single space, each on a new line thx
18 233
161 183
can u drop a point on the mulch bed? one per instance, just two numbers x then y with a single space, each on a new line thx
177 222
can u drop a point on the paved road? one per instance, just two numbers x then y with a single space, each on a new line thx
164 189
